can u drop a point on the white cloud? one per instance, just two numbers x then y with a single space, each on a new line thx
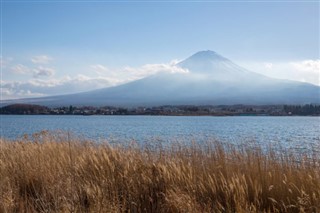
39 71
73 84
43 71
47 87
10 92
20 69
268 65
174 62
41 59
28 93
100 69
132 73
155 68
312 66
4 61
304 70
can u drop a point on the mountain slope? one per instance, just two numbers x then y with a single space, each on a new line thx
212 79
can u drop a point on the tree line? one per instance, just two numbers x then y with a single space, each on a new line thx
308 109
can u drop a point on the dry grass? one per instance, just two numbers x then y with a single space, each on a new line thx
53 173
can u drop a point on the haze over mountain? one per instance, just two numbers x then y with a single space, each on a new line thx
209 79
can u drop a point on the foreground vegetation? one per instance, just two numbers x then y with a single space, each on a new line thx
57 173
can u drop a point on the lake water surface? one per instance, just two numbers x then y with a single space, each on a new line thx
291 132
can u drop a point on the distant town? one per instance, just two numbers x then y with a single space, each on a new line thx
168 110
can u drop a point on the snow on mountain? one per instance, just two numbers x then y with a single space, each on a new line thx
212 79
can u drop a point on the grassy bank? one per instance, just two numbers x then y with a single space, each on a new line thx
54 173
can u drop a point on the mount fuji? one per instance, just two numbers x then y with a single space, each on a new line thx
210 79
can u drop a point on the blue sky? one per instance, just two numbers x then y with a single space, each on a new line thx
61 47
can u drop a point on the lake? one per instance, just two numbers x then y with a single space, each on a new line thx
291 132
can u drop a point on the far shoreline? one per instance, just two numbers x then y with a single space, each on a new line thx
167 110
147 115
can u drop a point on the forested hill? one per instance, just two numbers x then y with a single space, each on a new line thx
24 109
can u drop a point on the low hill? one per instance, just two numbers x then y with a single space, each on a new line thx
23 109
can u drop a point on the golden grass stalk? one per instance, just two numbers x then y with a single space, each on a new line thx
56 173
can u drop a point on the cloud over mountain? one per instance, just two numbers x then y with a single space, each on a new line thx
204 78
43 71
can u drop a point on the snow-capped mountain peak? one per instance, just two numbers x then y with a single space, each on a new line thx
211 63
212 79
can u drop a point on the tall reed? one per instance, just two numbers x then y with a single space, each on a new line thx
52 172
